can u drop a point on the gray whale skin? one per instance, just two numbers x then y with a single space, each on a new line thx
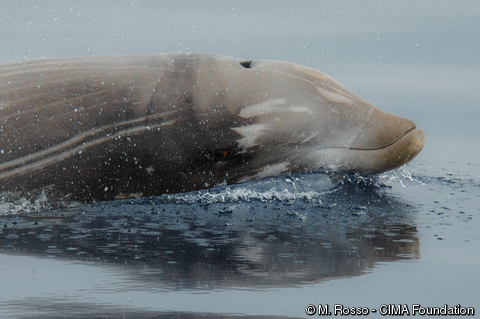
100 128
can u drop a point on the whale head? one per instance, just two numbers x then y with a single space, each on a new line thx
294 119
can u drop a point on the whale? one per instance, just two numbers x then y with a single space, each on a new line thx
105 127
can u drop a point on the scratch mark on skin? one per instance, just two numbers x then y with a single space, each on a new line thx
47 154
360 128
309 138
53 159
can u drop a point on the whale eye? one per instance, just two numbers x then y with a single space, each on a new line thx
222 153
246 64
228 156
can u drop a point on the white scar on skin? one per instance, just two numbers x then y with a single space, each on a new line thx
250 133
298 109
273 170
317 75
335 97
261 108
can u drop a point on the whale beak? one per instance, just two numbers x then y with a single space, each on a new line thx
386 142
397 154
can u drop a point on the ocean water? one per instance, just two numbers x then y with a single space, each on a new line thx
273 247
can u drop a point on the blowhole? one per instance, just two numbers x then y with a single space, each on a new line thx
246 64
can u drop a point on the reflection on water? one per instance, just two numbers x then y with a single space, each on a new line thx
162 244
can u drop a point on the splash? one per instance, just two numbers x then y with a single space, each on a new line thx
287 190
386 179
284 189
17 203
398 175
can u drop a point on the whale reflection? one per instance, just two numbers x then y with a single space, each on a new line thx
160 243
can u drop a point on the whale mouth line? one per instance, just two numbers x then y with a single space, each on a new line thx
378 160
382 147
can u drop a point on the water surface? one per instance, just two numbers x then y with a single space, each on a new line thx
273 247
